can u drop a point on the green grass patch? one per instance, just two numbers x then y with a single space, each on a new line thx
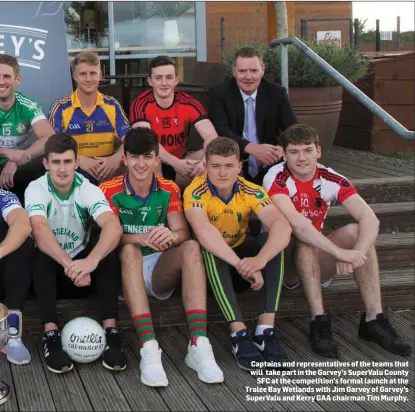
407 156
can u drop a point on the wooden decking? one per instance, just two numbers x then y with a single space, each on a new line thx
90 387
358 164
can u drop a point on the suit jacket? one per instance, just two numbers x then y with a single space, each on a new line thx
273 112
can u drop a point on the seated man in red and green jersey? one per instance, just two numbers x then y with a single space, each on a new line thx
155 252
171 113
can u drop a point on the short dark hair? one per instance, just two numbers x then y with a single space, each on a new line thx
161 61
60 143
248 52
299 134
141 140
222 146
10 61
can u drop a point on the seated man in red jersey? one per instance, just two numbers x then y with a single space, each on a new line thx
303 190
171 113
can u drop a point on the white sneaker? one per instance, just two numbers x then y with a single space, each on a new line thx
152 372
17 352
201 359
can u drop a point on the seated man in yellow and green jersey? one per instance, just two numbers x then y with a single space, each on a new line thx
218 206
155 253
93 119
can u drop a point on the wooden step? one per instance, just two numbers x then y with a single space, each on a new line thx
393 217
341 297
395 250
386 189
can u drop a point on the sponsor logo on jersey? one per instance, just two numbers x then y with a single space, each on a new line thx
227 235
126 211
74 127
172 139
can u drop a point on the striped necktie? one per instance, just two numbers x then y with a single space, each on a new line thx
251 134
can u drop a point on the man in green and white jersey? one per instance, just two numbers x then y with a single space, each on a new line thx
59 205
156 251
24 130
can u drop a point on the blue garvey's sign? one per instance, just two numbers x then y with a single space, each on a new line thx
34 32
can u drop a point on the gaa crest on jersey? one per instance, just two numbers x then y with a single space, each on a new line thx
319 202
259 194
159 210
21 128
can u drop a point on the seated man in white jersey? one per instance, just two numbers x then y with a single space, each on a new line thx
67 263
24 130
303 190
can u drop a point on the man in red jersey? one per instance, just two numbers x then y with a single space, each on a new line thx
303 190
170 114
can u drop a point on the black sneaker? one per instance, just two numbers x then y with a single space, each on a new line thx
245 352
321 336
270 347
113 357
381 332
57 360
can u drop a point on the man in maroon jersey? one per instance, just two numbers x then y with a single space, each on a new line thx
303 190
170 114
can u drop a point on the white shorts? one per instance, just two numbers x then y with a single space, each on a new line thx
149 262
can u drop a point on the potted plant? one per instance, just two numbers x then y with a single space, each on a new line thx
169 12
315 96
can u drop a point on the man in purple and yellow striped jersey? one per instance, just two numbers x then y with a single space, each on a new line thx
96 121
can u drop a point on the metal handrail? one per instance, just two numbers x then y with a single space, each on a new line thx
350 87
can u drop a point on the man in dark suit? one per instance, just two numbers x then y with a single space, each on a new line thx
253 112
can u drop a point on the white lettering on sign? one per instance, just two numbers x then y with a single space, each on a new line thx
26 43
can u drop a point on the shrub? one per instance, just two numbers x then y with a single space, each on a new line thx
302 71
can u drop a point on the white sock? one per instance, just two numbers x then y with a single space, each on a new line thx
369 318
260 329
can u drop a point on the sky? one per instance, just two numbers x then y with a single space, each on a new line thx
386 12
